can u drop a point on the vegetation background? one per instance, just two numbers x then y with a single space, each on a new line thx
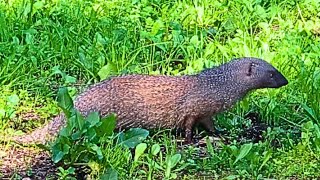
47 44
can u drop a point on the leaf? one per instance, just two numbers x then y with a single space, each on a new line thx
155 149
310 112
110 174
59 151
79 120
56 70
56 157
91 134
107 126
100 41
93 118
133 136
139 150
156 27
98 151
64 101
109 69
70 79
174 160
267 156
232 177
209 146
317 131
244 150
13 100
194 41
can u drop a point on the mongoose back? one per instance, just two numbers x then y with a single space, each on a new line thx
169 101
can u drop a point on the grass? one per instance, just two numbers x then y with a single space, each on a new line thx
45 45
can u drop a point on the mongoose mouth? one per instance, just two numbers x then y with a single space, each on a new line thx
280 81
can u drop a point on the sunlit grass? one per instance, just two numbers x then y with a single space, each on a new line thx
48 44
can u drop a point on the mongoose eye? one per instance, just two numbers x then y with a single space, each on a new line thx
271 75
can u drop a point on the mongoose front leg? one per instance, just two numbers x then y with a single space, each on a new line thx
188 129
207 123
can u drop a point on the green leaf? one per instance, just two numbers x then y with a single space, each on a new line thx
266 158
174 160
317 131
231 177
13 100
155 149
107 126
209 146
70 79
194 41
133 137
156 27
79 120
91 134
244 150
57 156
98 151
76 136
64 101
59 151
109 69
139 150
310 112
93 118
110 174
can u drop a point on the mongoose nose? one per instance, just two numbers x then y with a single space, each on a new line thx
282 81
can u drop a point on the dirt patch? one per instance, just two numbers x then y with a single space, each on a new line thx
21 162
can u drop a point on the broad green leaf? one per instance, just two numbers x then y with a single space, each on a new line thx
64 101
13 100
317 131
79 120
70 79
107 126
155 149
139 150
109 69
133 137
195 41
98 151
110 174
2 112
310 112
75 136
91 134
93 118
209 146
244 150
174 160
266 158
57 157
231 177
156 27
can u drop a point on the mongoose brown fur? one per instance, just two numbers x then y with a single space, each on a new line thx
169 101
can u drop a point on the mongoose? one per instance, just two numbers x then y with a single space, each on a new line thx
170 101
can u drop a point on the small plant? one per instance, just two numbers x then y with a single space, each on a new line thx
66 173
82 140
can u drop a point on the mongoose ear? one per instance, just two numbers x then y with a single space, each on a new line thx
249 70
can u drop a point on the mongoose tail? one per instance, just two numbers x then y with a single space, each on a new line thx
42 134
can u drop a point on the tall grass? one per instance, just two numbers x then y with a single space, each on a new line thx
48 44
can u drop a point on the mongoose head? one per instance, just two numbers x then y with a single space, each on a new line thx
256 73
246 74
